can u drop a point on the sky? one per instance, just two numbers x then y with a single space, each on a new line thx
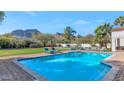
83 22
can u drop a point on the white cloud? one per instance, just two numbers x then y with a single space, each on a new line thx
30 13
81 22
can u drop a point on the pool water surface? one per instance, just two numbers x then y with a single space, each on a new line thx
73 66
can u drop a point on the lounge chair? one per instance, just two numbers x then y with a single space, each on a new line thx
53 50
73 48
46 50
82 48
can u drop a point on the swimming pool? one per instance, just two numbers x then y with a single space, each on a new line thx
73 66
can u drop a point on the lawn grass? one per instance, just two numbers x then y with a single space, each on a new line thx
12 52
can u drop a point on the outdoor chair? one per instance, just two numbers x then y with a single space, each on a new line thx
53 50
46 50
72 48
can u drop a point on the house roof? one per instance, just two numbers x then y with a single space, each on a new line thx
118 29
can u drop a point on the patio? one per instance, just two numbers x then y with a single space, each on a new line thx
9 71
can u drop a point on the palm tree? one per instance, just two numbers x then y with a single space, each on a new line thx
103 34
119 21
2 15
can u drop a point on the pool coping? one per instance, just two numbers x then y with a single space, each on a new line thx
108 77
37 76
113 71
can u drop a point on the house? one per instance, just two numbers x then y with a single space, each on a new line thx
118 39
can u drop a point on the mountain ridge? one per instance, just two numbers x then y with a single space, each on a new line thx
25 33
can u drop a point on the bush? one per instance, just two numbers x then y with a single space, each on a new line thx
13 42
35 45
5 42
107 49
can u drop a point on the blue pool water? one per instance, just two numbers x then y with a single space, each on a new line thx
74 66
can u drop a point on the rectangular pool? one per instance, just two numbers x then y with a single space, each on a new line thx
73 66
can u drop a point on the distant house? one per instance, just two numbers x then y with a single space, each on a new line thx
118 39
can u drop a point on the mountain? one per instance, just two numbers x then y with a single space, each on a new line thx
25 33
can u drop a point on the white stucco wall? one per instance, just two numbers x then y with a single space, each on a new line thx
115 35
66 45
118 34
85 45
113 44
73 45
122 42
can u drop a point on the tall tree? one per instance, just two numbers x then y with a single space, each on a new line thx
2 16
69 34
58 33
119 21
87 39
103 34
44 38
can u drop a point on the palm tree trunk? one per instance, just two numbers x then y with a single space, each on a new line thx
106 45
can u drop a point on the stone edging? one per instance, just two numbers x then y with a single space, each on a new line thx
113 71
31 72
108 77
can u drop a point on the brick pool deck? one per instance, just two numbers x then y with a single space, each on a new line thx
9 71
118 60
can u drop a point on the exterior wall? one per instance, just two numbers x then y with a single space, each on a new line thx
73 45
113 44
85 45
122 42
115 36
118 34
64 45
109 45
